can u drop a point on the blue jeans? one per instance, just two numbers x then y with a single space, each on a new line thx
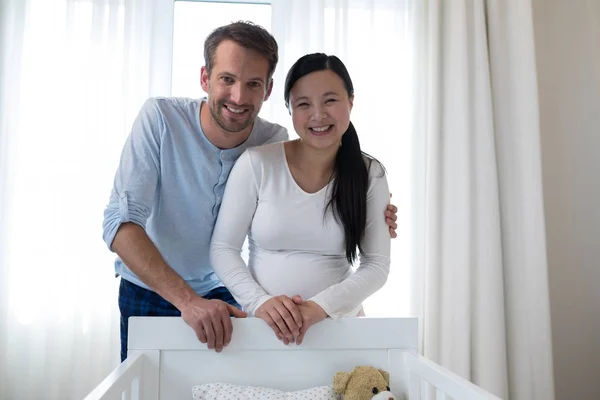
135 301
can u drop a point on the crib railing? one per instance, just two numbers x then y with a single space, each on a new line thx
138 378
123 383
430 381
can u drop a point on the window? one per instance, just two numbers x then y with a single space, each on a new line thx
193 22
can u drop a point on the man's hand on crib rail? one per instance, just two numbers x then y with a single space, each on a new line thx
211 321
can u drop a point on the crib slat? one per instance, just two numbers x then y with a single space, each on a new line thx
439 395
414 390
135 389
427 390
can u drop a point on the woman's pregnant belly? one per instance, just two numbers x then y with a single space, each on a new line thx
298 272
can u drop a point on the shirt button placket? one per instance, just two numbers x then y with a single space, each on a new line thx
221 183
217 187
222 177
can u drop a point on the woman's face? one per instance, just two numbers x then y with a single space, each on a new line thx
320 108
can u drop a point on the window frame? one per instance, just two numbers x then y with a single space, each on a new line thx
163 20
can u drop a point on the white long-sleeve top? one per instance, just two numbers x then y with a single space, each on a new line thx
295 248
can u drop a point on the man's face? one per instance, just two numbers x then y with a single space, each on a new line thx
237 86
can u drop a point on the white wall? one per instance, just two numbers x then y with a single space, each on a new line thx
568 61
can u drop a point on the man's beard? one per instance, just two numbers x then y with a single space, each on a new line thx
216 110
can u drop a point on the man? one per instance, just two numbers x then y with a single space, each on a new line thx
170 182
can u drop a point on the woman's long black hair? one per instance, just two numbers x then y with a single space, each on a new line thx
349 192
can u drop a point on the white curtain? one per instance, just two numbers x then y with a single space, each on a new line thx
374 39
74 74
483 271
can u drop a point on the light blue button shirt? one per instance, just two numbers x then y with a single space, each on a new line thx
170 181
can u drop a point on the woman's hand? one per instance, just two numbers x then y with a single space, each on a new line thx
283 316
390 219
312 313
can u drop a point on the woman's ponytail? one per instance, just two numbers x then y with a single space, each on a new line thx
349 192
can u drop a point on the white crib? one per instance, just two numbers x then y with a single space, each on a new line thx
165 360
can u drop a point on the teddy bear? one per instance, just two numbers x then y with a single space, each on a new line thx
363 383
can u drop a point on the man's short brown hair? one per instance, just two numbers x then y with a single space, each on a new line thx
247 35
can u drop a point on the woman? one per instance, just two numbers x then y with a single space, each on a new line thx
309 207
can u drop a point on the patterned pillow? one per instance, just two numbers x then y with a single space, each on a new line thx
226 391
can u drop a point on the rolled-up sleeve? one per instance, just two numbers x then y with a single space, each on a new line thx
137 177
